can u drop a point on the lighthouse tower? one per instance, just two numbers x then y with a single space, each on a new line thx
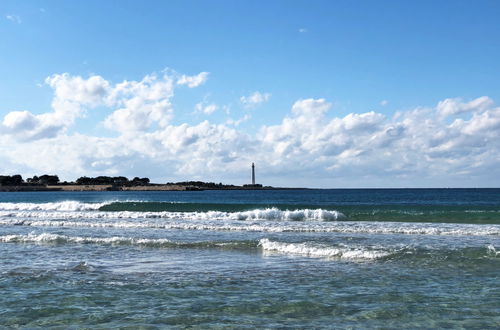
253 174
253 185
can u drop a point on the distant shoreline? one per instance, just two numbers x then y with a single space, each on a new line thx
150 187
176 187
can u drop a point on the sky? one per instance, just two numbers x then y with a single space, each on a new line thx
327 94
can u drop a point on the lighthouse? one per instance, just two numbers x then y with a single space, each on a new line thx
253 174
253 185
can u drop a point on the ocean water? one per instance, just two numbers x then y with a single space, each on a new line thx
388 258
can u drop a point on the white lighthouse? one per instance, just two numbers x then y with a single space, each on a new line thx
253 174
253 185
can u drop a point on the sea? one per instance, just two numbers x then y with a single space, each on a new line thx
244 259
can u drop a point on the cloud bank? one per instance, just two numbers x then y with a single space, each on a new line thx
454 143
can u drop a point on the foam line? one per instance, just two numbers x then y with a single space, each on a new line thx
264 226
73 210
67 206
48 238
316 250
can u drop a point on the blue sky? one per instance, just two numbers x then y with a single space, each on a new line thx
308 89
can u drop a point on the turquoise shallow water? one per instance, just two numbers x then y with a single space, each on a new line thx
244 259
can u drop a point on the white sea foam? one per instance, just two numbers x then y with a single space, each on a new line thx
78 214
65 206
261 226
288 215
50 238
317 250
73 210
307 249
60 239
491 251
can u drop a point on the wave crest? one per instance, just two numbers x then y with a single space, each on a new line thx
257 226
65 206
287 215
316 250
74 210
49 238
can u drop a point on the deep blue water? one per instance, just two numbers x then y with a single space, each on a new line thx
374 258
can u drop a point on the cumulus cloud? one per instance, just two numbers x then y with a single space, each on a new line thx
72 95
20 121
414 145
142 104
193 81
311 146
457 106
138 106
254 99
89 91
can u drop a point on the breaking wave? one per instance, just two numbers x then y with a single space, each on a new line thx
317 250
243 211
314 249
265 226
368 253
65 206
49 238
75 210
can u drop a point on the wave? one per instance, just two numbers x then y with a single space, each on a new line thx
267 226
318 250
65 206
144 206
369 253
338 251
287 215
281 212
306 249
45 211
48 238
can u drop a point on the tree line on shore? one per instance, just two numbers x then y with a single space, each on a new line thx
202 184
50 180
121 181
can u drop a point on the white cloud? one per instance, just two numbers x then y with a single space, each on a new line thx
384 103
143 104
138 106
254 99
193 81
14 18
303 30
89 91
20 120
239 121
26 126
207 109
456 106
71 97
415 146
310 146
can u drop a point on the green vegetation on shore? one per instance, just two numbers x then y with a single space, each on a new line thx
52 182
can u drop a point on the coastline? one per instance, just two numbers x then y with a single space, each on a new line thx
150 187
